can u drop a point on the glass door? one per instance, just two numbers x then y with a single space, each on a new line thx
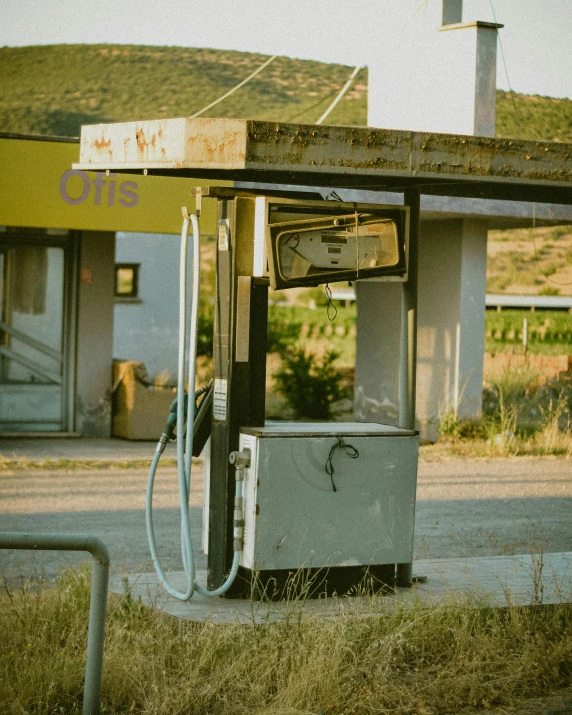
33 368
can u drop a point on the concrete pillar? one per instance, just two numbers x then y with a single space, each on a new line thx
452 12
450 337
438 75
95 333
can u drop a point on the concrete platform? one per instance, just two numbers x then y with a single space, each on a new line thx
101 450
493 580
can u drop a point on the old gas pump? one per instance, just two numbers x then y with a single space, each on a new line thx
329 501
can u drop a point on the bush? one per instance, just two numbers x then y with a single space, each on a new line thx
521 415
205 330
311 386
281 333
452 426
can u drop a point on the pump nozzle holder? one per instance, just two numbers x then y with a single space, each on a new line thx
240 459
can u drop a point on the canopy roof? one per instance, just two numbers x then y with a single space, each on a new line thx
351 157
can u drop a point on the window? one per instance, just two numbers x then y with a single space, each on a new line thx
127 280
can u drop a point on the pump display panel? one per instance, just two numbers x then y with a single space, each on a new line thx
309 243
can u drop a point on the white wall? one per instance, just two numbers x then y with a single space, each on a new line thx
436 78
147 330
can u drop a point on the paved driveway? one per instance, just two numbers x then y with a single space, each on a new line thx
466 507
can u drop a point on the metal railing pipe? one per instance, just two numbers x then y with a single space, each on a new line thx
98 598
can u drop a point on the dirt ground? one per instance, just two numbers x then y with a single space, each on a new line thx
466 507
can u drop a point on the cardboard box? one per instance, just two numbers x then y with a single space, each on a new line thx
140 411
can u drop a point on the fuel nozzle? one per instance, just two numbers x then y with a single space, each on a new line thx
169 429
168 433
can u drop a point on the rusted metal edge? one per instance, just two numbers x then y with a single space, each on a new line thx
235 149
217 171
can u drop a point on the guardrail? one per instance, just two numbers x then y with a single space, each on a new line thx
97 603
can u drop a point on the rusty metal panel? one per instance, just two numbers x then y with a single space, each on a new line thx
304 150
164 144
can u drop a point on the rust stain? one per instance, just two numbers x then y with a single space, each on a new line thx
153 141
102 144
160 132
140 138
163 152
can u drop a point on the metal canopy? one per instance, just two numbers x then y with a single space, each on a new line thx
351 157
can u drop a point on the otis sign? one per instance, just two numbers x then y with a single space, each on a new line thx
76 187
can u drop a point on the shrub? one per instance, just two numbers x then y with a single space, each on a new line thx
205 330
310 386
281 333
452 426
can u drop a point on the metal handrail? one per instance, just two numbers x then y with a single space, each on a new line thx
98 598
32 342
31 365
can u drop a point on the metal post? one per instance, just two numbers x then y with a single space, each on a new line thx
97 604
408 342
241 313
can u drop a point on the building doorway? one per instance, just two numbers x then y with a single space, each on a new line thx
37 336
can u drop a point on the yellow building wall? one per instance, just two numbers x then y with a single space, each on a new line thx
38 188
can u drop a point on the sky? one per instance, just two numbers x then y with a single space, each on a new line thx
535 39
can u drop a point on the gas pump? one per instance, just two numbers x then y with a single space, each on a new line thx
321 503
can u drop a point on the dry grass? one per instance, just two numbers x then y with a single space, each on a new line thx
414 659
522 415
60 464
530 261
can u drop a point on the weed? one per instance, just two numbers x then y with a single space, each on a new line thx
502 433
311 385
520 416
463 654
19 464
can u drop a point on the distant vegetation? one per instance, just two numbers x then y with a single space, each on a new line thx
535 117
55 89
530 261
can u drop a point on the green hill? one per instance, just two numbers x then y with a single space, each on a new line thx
55 89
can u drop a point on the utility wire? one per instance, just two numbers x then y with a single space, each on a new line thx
309 109
238 86
517 115
345 88
341 93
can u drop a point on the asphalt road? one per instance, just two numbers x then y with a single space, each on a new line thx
466 507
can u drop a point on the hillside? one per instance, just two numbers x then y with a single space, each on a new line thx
529 261
55 89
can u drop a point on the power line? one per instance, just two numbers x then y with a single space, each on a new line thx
238 86
345 88
309 109
517 115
